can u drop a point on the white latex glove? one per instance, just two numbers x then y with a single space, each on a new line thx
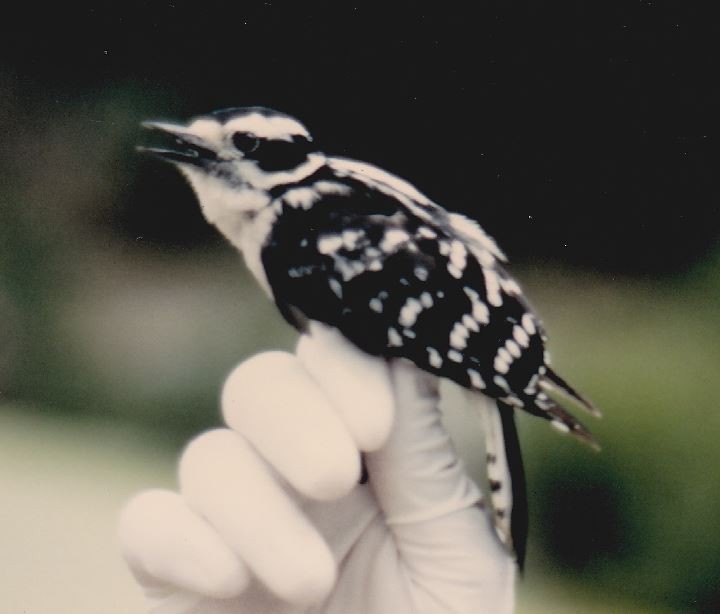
270 517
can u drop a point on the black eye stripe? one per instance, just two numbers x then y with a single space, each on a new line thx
279 155
273 154
301 140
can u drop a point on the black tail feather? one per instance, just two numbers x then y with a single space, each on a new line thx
566 422
562 385
519 514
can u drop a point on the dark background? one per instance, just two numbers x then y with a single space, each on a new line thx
581 135
576 131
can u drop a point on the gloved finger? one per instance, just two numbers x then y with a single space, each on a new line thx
273 402
223 479
417 475
357 384
164 542
342 522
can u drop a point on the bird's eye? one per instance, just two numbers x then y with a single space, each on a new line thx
244 142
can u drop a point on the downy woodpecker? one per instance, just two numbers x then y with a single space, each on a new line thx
346 244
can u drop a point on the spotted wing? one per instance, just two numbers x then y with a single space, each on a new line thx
402 281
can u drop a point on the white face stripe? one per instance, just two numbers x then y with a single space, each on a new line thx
216 134
209 130
275 127
368 172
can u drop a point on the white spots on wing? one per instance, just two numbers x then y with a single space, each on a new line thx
426 233
505 355
454 271
503 360
440 294
480 310
475 380
300 271
392 239
394 338
501 382
331 187
521 336
513 348
409 333
332 244
471 294
546 357
470 323
426 300
421 273
486 259
560 426
302 198
542 401
376 303
458 254
434 357
500 365
336 287
409 312
455 356
531 388
510 286
350 238
444 247
349 268
329 244
375 265
459 336
458 259
492 287
404 281
528 324
303 242
514 401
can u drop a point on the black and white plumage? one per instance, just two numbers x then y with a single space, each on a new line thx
347 244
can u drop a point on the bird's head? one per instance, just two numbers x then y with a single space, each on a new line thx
234 157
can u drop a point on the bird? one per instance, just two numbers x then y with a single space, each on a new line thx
351 246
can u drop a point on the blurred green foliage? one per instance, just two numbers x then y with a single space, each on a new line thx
641 517
98 325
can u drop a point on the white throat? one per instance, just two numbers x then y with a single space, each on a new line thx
242 212
219 200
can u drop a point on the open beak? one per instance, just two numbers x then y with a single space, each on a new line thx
187 148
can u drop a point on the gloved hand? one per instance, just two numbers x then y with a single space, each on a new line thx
270 517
